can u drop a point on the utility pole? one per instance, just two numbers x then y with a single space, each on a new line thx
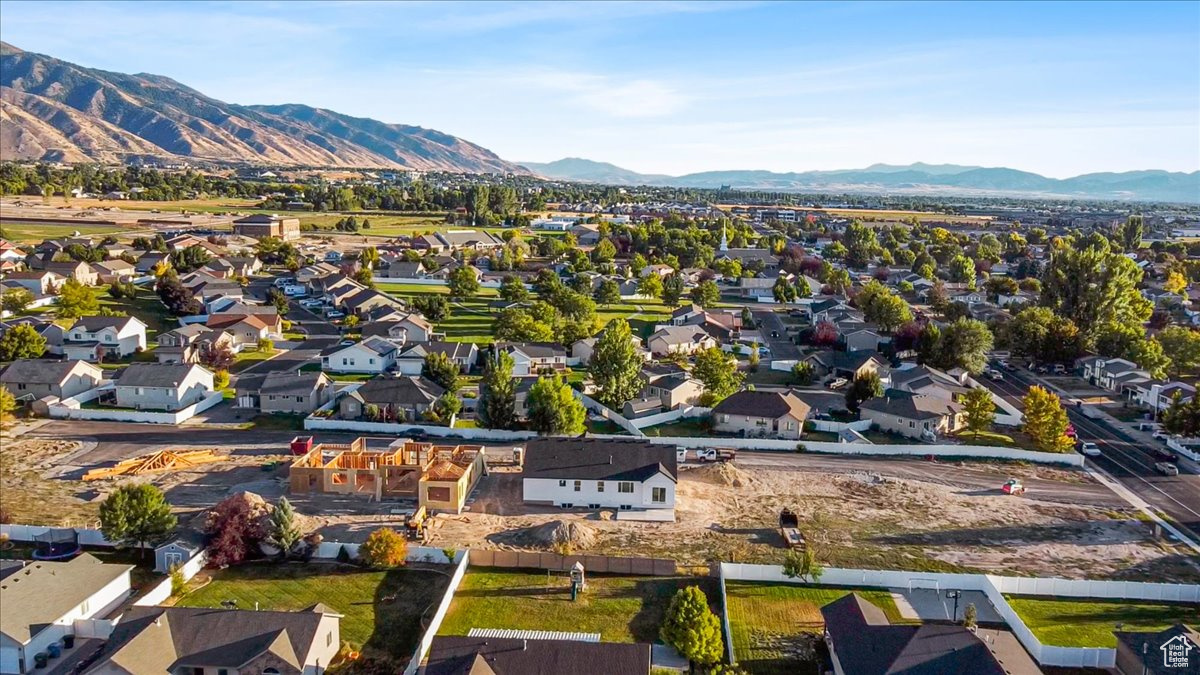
956 595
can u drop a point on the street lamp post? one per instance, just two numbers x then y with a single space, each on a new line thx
956 595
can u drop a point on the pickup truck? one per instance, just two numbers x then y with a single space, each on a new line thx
789 528
715 454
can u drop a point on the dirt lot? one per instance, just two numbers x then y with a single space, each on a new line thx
858 519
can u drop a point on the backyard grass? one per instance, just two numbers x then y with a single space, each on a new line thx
1090 623
604 427
621 609
145 306
390 628
277 422
686 427
246 359
768 622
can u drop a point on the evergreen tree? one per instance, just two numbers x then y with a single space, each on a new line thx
616 365
498 393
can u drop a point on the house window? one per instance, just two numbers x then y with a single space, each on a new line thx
371 361
329 638
222 671
140 391
578 485
791 426
339 479
562 483
625 486
760 423
599 486
912 425
724 418
658 495
270 671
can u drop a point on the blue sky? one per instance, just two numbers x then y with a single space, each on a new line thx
680 87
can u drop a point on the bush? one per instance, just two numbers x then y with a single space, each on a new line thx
384 548
178 583
221 379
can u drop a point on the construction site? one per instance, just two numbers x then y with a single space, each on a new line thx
438 477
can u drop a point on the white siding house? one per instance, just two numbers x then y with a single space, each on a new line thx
600 473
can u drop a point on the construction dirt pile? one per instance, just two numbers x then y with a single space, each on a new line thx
722 473
553 535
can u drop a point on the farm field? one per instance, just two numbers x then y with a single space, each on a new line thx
389 628
1064 622
621 609
32 233
775 627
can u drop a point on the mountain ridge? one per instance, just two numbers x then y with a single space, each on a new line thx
917 178
59 111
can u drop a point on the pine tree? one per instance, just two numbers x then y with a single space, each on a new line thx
498 393
283 532
616 365
692 628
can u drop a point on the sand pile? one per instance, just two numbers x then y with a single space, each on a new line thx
722 473
551 535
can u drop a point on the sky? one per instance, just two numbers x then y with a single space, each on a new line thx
680 87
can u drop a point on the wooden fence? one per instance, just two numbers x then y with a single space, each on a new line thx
598 564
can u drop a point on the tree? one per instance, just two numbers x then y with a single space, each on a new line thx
233 531
513 289
135 515
463 283
753 361
783 291
865 386
178 300
190 259
608 293
220 379
970 616
979 409
650 286
553 408
8 402
1130 233
861 244
519 325
719 374
672 290
276 297
604 251
616 365
706 293
1148 353
882 307
446 406
384 548
432 307
1045 420
692 628
15 300
1182 417
1182 346
803 373
442 370
498 393
964 344
1094 286
962 270
802 565
76 300
1175 283
369 256
266 345
282 530
217 356
21 342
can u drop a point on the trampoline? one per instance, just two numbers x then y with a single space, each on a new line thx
56 544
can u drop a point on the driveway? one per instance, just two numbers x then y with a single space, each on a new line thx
782 348
308 351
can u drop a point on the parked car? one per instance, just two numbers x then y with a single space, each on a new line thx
1161 435
310 303
334 314
1166 469
995 375
1164 455
1059 369
838 383
1089 448
1005 365
774 333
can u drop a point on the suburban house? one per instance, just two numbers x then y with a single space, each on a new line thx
761 413
110 271
198 640
679 340
461 655
247 328
409 396
285 392
79 271
1160 396
372 355
305 275
599 473
582 350
42 600
38 282
673 390
400 328
829 364
186 343
911 415
93 337
532 358
1148 653
930 382
259 226
162 386
35 378
365 301
403 269
860 337
1115 375
147 261
411 360
862 641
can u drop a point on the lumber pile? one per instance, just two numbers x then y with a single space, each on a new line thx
163 460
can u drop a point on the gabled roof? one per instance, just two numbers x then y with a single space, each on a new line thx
911 406
41 371
94 323
43 592
461 655
140 374
534 350
398 390
681 335
770 404
598 459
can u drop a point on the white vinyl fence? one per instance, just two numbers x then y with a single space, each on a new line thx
87 536
608 413
71 408
682 412
436 622
995 587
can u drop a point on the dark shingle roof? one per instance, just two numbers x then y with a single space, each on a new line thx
154 374
866 644
598 459
458 655
770 404
911 406
536 350
40 371
398 390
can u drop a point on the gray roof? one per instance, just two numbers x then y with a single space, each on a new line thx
911 406
536 350
170 639
770 404
41 371
154 374
598 459
398 390
460 655
43 592
94 323
284 383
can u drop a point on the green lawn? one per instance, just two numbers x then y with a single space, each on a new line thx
621 609
686 427
1090 623
146 307
390 628
249 358
769 621
276 422
21 233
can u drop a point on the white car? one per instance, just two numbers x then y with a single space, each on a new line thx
310 303
839 383
334 314
1089 448
995 375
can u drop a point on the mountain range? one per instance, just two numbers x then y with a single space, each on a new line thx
58 111
919 178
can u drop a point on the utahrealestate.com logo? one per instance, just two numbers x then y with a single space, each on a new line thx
1177 652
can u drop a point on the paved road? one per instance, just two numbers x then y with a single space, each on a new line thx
782 348
1126 459
981 478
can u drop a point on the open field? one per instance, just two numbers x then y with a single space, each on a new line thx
775 628
1070 622
891 215
31 233
621 609
853 519
389 628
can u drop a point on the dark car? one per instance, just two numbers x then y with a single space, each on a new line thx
774 333
1164 455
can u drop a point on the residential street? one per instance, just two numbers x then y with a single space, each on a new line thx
782 348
